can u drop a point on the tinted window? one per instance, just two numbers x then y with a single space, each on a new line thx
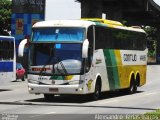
6 50
58 34
108 38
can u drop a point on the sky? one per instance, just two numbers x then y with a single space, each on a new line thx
62 9
65 9
157 1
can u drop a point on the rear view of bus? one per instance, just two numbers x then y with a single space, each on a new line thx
7 59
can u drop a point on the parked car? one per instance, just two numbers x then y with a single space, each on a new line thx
20 72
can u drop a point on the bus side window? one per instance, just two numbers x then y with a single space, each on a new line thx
99 43
7 50
11 50
4 50
103 38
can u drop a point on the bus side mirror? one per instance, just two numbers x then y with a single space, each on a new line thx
21 47
85 48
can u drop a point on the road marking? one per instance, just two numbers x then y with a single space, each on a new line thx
36 116
146 94
151 93
42 114
51 113
108 102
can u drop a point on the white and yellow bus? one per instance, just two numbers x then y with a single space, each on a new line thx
87 56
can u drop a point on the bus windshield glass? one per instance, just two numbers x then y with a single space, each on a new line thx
65 58
58 34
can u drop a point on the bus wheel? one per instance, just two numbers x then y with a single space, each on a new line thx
133 87
97 91
49 97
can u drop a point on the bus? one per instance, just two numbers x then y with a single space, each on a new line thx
7 59
87 56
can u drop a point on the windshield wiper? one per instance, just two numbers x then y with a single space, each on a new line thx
62 66
50 58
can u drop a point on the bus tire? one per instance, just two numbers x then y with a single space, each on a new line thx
133 86
49 97
97 91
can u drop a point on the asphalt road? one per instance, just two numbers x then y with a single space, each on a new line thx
16 103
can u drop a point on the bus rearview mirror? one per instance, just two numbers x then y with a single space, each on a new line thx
85 49
21 47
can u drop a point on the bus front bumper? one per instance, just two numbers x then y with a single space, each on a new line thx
55 89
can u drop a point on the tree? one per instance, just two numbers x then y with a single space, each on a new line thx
151 43
5 17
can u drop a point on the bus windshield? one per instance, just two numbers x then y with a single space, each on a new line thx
58 34
65 58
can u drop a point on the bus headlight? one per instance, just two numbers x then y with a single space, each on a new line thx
80 89
30 89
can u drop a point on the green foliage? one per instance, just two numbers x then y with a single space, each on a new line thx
151 31
151 53
152 40
152 48
155 115
5 16
124 22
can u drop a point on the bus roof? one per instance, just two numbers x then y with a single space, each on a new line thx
64 23
104 21
86 22
114 24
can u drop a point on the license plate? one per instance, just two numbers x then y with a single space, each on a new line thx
53 89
